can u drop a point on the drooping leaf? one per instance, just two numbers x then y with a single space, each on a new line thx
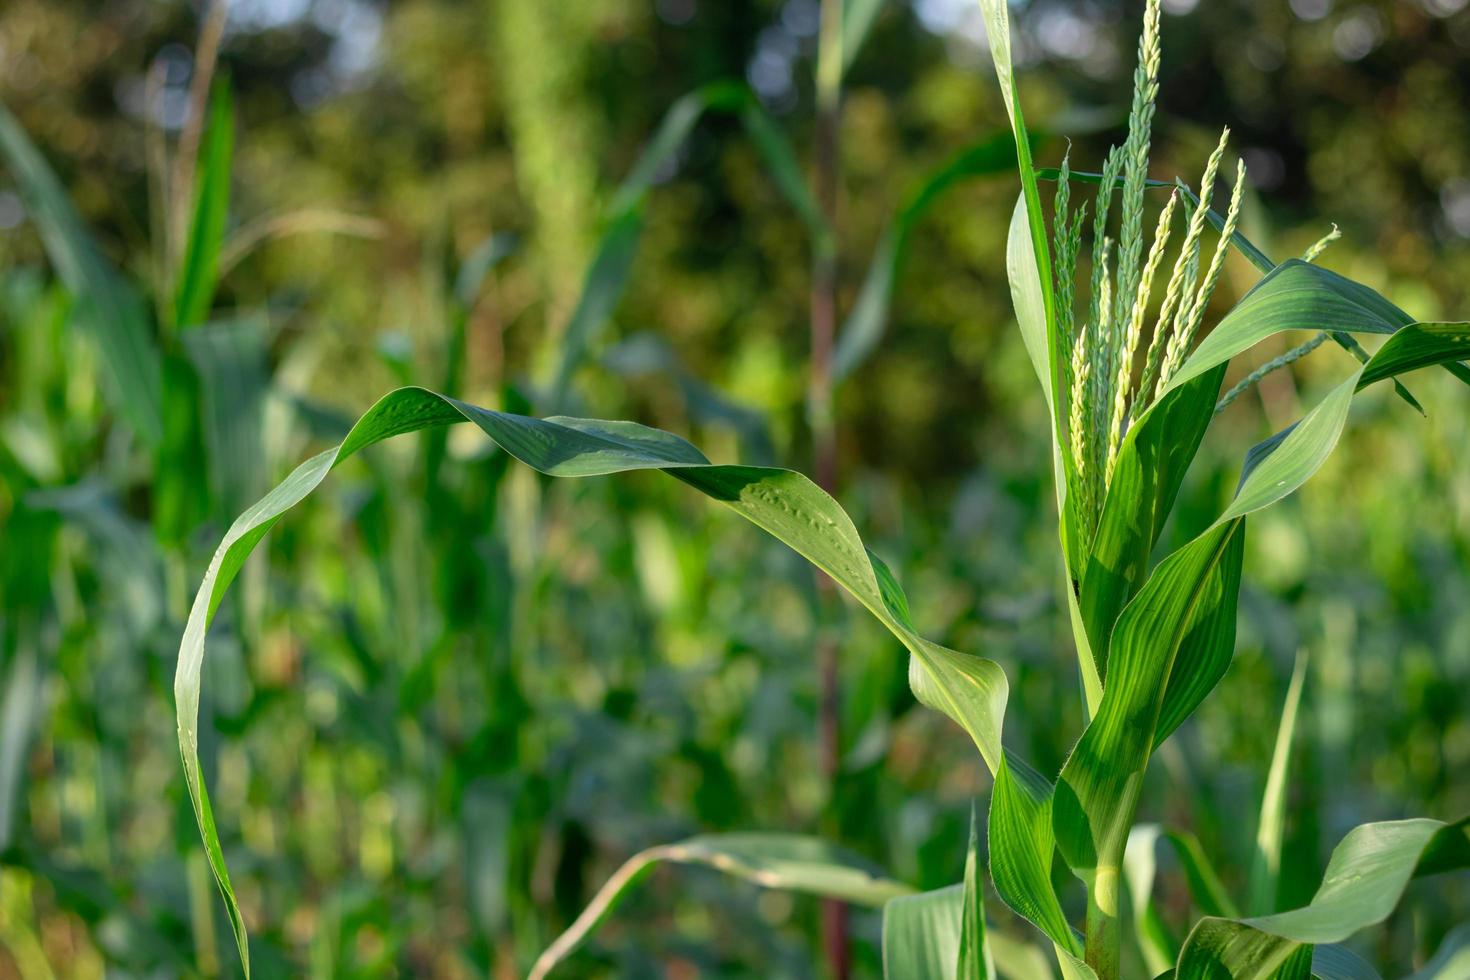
970 689
679 122
197 276
1417 345
1366 876
788 862
1270 829
607 276
1296 295
107 307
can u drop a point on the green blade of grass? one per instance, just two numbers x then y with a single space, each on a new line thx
1366 876
1270 829
602 288
970 689
108 308
198 275
921 931
787 862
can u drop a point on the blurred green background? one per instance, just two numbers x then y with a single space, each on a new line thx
451 697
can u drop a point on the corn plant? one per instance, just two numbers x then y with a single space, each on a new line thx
1131 388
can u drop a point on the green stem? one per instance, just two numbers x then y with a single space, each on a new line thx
1104 937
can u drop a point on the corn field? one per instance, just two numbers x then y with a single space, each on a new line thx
1097 373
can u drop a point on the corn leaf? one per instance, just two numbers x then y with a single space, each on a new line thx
1021 849
788 862
1452 960
1365 877
679 122
863 329
602 288
921 935
1334 962
974 959
970 689
857 20
1415 346
107 307
198 274
1152 461
1280 465
1296 295
1266 863
1185 613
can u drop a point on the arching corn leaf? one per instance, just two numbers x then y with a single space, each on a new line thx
857 21
1366 876
789 862
970 689
1296 295
612 261
1415 346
